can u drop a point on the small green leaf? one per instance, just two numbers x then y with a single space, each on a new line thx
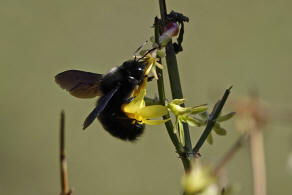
199 109
195 110
219 130
204 115
225 117
192 121
210 139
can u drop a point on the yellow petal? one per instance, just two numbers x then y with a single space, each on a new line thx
136 91
198 179
196 109
155 122
138 101
160 66
175 125
153 111
178 101
153 70
149 67
181 133
136 104
176 109
150 64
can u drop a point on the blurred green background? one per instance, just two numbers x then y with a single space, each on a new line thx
246 44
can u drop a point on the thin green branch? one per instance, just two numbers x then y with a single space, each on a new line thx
174 78
161 92
151 101
211 120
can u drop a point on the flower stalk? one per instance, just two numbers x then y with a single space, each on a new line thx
176 89
181 139
161 92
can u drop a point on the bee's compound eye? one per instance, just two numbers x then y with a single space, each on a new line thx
139 71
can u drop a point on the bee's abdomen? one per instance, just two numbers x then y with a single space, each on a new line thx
119 125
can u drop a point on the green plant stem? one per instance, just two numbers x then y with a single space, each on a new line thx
151 101
211 121
174 79
169 126
161 92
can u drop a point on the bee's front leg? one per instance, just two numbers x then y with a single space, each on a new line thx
128 100
150 78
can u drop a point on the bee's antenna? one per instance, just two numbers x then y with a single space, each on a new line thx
149 51
139 48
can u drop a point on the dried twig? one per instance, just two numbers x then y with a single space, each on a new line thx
63 162
258 161
252 116
230 153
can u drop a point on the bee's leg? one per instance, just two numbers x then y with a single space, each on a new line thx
128 100
150 78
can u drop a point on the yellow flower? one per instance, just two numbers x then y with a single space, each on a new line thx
152 63
137 109
198 179
185 115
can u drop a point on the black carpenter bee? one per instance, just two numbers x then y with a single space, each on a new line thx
115 89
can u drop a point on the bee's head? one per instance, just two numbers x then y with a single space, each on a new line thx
135 69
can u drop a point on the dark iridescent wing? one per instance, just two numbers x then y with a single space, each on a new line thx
102 102
80 84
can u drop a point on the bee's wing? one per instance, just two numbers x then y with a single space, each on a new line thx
102 102
80 84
